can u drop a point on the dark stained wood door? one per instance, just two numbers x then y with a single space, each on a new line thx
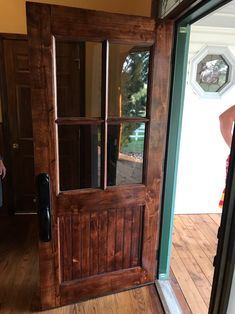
20 141
105 223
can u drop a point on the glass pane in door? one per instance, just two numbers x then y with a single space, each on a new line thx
125 153
128 80
78 76
79 156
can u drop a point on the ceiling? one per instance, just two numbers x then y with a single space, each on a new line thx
223 17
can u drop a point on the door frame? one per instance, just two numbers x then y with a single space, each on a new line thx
224 271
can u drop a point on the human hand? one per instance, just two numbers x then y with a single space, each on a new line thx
2 169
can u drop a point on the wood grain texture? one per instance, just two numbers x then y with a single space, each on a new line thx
194 248
102 215
18 264
216 218
103 284
100 242
199 254
188 287
43 112
196 273
156 130
72 24
119 196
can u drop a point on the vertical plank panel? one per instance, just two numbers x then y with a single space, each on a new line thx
135 237
85 224
66 248
119 239
111 240
127 238
103 228
76 250
94 246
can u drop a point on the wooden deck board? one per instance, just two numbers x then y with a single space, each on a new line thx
19 274
190 242
196 233
196 273
194 247
216 218
187 284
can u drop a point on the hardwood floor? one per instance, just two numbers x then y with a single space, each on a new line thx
194 248
19 278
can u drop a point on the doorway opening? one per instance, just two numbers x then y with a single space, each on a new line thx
202 156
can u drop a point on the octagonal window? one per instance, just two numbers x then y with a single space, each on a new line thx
212 73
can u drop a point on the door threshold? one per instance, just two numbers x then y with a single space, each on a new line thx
168 297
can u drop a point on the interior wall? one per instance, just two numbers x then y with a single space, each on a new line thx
13 12
201 172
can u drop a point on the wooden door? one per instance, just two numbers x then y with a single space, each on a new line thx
19 121
105 223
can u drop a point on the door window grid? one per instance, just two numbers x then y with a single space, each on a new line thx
105 121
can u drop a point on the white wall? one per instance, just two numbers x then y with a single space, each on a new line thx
201 172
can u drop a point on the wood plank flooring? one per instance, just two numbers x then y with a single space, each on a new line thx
19 278
193 251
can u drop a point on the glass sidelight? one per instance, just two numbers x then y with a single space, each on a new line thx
102 113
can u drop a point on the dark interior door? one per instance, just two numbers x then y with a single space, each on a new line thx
19 121
105 211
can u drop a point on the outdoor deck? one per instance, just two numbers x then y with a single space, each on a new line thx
194 248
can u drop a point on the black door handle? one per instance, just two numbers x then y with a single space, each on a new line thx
44 207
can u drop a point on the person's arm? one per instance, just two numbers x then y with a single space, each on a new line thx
226 124
2 169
